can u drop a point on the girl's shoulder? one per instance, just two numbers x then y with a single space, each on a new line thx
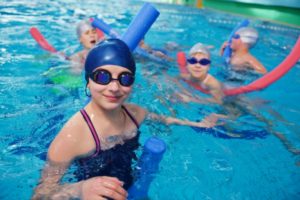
136 111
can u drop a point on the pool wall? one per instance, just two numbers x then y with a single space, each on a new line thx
283 12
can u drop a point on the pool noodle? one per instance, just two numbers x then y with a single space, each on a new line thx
148 165
39 38
148 10
100 24
140 25
262 82
227 51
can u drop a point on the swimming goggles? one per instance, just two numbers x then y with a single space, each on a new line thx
104 77
203 61
236 36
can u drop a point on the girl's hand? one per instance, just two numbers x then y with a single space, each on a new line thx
102 188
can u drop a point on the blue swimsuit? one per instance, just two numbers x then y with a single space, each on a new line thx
114 162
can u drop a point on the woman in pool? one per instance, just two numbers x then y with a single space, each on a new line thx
88 38
100 139
198 65
241 59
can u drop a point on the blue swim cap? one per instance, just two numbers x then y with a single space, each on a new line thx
110 52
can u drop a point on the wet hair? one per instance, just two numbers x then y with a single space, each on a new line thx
248 36
83 26
110 52
199 48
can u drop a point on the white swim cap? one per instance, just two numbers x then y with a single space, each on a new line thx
82 27
199 48
248 35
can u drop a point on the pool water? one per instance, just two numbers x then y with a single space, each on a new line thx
198 164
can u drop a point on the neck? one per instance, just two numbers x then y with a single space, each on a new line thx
108 114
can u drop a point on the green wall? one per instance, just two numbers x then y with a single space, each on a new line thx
284 15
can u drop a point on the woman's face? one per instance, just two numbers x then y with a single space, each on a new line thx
198 70
89 38
113 94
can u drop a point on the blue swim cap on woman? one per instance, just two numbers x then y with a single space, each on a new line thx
110 52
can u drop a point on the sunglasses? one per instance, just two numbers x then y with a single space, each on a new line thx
203 61
236 36
104 77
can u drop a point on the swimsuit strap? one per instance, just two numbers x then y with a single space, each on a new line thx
93 131
131 117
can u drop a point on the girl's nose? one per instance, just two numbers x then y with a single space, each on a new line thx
114 85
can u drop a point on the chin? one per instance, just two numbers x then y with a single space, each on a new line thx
112 105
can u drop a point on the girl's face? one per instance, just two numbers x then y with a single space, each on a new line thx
236 42
112 95
198 70
89 38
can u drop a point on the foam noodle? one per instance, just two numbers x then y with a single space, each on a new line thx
39 38
140 25
148 165
100 24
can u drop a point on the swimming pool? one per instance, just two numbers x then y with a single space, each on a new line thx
196 165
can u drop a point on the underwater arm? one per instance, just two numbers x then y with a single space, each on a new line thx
205 123
257 66
93 188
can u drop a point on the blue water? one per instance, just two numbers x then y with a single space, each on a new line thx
198 164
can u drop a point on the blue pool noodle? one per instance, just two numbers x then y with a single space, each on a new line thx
140 25
133 29
148 165
100 24
227 51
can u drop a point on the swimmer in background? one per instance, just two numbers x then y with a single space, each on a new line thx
198 65
88 37
101 139
155 52
241 59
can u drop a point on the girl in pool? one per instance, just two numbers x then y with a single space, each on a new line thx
198 65
88 37
101 138
241 59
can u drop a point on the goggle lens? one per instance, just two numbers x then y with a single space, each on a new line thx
203 61
104 77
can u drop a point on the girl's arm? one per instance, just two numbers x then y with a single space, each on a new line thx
68 145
